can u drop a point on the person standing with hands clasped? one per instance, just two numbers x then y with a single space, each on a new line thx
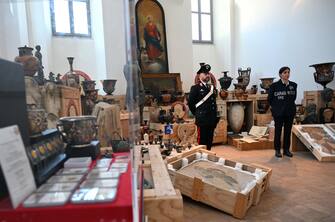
202 103
282 96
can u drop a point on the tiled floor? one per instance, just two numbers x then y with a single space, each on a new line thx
301 189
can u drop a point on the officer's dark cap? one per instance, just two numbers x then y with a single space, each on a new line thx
204 68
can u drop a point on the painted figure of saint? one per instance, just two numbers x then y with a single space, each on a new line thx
152 38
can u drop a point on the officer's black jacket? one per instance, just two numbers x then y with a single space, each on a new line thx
205 114
282 98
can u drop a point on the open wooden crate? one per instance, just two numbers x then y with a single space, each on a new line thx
317 138
161 201
199 188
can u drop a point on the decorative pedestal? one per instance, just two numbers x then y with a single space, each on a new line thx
92 150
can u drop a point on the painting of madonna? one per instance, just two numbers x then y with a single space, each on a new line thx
151 37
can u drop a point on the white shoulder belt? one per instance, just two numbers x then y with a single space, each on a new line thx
205 98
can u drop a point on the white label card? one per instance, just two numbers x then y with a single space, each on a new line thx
15 165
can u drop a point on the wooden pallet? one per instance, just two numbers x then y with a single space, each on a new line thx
161 202
300 141
184 153
260 144
232 202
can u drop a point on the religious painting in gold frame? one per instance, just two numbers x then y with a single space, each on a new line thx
151 37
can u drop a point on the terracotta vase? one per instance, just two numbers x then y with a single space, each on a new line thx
266 83
29 62
236 116
223 94
166 97
253 89
109 86
324 73
327 115
238 92
225 81
78 130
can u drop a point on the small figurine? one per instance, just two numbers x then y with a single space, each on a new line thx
40 73
58 79
52 77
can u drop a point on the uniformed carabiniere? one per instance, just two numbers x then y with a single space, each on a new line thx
202 103
282 95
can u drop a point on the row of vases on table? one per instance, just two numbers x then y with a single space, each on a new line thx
165 97
240 86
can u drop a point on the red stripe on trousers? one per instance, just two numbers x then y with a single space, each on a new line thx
198 135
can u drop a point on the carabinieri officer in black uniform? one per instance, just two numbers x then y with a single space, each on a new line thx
202 103
282 95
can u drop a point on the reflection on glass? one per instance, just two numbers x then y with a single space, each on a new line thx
80 18
195 26
62 18
205 6
206 34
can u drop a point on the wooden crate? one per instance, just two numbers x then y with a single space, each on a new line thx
184 153
221 108
331 126
263 119
315 146
162 202
220 132
70 101
259 144
232 202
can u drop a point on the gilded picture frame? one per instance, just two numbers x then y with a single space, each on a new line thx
151 37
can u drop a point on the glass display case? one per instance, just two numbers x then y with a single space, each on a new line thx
86 32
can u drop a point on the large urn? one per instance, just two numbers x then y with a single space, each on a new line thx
78 130
324 73
236 116
244 77
266 83
225 81
109 86
29 62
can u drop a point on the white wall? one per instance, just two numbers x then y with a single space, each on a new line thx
115 44
271 34
266 35
220 54
179 39
13 26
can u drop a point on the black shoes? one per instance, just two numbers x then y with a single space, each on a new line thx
288 153
278 154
